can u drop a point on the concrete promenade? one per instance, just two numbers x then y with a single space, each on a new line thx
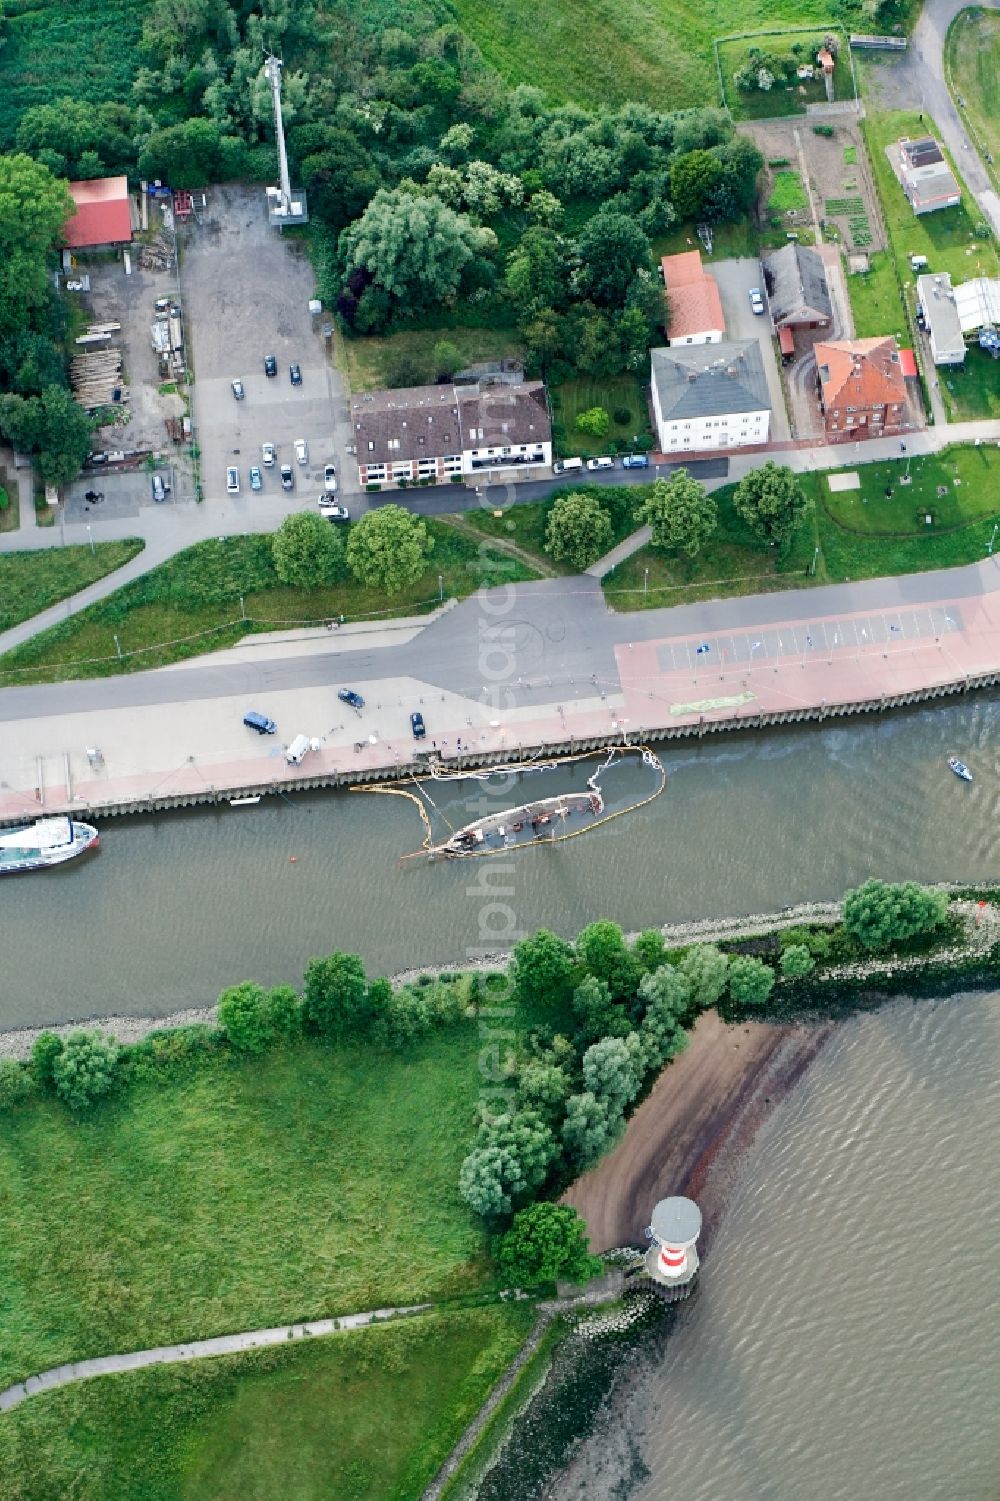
541 666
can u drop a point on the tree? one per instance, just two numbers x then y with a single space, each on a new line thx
65 437
589 1129
84 1070
650 949
594 421
750 980
771 502
447 359
335 999
416 247
511 1157
613 248
880 913
186 155
546 1242
797 962
543 1087
388 549
578 530
670 992
667 998
28 236
284 1011
543 971
741 164
307 551
16 1083
610 1072
44 1052
694 177
681 515
596 1014
243 1016
538 270
602 947
705 967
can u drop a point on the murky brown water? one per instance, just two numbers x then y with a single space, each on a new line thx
173 908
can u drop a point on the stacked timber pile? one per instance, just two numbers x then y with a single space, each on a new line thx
95 377
157 254
97 333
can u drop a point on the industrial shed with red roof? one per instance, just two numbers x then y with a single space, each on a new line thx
103 215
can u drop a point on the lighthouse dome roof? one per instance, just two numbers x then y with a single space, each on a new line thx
676 1220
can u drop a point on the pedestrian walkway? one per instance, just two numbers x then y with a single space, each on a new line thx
618 554
198 1349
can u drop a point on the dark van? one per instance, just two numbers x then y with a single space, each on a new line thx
259 722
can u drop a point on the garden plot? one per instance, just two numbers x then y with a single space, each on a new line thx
835 169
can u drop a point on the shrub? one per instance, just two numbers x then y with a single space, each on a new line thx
796 961
16 1083
46 1050
823 130
243 1017
622 416
594 421
335 1001
750 980
546 1241
84 1070
4 499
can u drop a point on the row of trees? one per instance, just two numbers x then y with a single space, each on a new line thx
681 514
386 550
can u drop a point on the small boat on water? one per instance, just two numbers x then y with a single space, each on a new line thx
959 768
49 841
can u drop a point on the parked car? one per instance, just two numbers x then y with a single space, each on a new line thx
232 480
255 478
333 512
348 696
417 725
238 391
259 722
295 375
270 365
267 454
301 451
330 479
603 463
757 300
287 477
635 461
159 488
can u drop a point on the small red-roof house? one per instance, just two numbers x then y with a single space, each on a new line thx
861 387
103 215
826 60
694 307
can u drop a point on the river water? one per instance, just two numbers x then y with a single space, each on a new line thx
843 1340
174 907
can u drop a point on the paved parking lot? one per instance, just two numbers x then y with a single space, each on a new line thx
107 495
246 295
735 278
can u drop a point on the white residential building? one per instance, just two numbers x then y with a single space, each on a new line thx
710 396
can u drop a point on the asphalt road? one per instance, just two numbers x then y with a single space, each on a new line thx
449 500
548 642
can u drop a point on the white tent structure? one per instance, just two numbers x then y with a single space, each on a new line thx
978 304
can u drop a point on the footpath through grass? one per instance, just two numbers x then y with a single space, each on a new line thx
211 595
368 1416
224 1194
31 581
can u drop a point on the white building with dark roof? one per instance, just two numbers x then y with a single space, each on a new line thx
710 396
432 434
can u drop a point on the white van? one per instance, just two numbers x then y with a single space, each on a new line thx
566 466
296 753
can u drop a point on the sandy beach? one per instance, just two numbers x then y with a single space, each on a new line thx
687 1136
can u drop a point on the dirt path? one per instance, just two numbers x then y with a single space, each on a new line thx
704 1108
502 544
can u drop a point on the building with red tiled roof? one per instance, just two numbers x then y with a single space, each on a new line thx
694 307
862 391
103 216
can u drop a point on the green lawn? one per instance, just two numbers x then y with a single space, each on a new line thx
787 193
972 61
860 534
729 241
227 1194
31 581
368 1416
616 392
760 105
875 299
50 49
971 390
10 516
192 603
370 364
525 524
595 52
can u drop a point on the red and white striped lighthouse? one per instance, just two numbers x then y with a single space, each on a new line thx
672 1260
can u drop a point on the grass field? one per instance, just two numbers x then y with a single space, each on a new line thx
972 63
368 1416
88 49
787 193
875 299
371 364
31 581
525 524
596 52
761 105
617 392
860 533
193 603
233 1194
